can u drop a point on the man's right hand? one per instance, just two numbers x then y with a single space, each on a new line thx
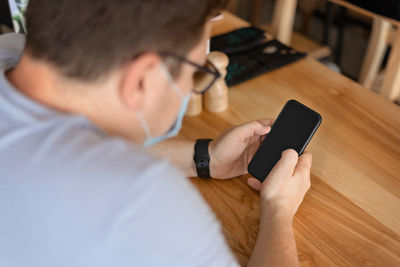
281 194
286 185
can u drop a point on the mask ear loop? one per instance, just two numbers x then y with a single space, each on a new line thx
144 124
178 91
171 80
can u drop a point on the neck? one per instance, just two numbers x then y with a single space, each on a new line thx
42 83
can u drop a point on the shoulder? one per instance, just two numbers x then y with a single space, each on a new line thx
111 195
11 46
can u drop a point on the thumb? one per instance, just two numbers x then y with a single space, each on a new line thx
253 128
285 166
257 128
262 130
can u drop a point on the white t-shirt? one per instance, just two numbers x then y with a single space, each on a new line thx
70 195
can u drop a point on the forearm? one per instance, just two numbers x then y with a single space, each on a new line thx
179 151
275 244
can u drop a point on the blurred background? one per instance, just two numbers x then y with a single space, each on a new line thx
329 31
341 44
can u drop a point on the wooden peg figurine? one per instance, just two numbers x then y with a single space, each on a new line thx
195 106
216 98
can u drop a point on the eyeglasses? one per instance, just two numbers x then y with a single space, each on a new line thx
204 77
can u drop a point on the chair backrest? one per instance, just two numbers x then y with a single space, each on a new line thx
386 26
18 10
387 8
374 10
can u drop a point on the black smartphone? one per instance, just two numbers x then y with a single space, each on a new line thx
293 128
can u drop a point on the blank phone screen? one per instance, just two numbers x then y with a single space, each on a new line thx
293 128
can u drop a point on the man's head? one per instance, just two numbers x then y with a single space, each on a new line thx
119 43
87 39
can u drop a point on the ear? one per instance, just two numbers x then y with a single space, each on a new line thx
133 88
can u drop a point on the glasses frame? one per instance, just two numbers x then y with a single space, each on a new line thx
216 73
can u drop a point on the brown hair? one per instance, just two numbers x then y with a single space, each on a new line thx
85 39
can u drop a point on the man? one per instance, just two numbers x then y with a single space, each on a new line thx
84 177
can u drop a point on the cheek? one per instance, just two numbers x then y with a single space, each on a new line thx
187 83
168 109
161 109
168 103
169 106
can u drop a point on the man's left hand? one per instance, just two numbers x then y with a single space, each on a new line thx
232 151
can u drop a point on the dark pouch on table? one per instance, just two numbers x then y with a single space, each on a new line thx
236 41
263 58
247 59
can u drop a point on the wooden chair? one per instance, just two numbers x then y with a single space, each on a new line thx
282 26
385 31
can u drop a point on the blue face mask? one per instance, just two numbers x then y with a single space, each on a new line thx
174 130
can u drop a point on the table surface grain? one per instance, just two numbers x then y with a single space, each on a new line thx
351 214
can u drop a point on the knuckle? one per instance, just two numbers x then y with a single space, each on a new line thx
307 168
290 154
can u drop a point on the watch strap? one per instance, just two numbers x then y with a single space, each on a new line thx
202 158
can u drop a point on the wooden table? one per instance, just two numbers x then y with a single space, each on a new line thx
351 215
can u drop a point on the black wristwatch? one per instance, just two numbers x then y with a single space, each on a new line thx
202 158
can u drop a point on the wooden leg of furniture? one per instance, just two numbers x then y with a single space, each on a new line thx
391 82
375 52
233 6
256 6
306 9
283 19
